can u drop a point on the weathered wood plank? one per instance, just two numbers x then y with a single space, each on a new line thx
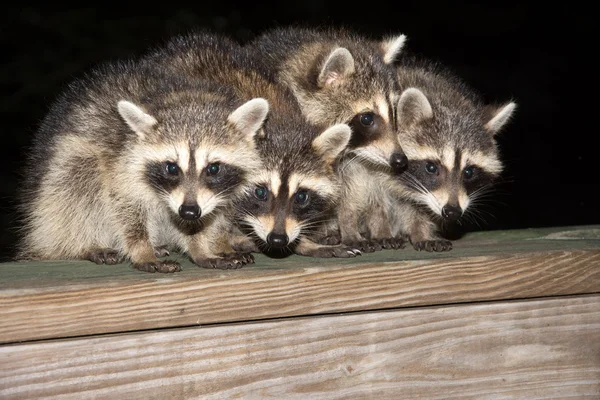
118 299
519 349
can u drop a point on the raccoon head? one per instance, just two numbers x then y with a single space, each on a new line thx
296 192
357 90
453 155
194 169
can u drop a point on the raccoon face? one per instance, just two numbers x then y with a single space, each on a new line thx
299 194
447 184
282 208
194 169
355 89
194 186
452 153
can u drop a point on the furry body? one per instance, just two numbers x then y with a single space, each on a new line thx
130 162
297 189
340 77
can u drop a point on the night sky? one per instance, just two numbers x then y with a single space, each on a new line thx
539 56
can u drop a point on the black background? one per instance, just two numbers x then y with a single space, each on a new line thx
540 55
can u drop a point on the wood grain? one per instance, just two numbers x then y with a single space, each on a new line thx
536 349
151 302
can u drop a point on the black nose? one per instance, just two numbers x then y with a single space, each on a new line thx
276 240
451 213
190 212
399 162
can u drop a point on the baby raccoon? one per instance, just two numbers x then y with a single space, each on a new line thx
449 137
297 189
131 162
341 77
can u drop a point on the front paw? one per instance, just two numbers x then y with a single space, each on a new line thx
339 251
365 246
163 266
105 256
226 261
433 245
392 243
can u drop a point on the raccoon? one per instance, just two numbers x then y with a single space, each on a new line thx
297 189
449 136
131 163
341 77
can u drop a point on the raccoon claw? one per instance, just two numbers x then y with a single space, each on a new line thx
433 245
392 243
228 261
339 251
366 246
161 251
105 256
164 267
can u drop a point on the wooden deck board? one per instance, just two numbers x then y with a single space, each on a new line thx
503 350
67 299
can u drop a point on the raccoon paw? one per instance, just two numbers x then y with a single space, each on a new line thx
433 245
392 243
228 261
163 266
330 240
366 246
338 251
161 251
105 256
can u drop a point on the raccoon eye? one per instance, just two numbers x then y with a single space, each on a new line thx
301 197
261 193
172 168
367 119
431 168
469 172
213 169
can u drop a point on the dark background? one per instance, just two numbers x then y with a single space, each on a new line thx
541 56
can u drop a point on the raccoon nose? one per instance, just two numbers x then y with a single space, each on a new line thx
399 162
277 240
190 212
451 213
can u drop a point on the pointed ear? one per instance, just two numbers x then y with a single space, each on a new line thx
413 107
392 48
338 66
332 142
249 117
499 117
141 123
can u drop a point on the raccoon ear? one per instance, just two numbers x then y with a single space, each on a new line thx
413 107
338 66
330 143
392 48
137 119
500 116
250 116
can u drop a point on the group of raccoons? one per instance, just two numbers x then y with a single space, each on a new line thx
318 142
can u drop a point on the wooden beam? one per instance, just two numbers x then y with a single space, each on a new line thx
518 349
60 299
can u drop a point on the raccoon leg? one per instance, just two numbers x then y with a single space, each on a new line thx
105 256
380 229
307 247
144 259
330 234
244 244
422 237
350 235
207 253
